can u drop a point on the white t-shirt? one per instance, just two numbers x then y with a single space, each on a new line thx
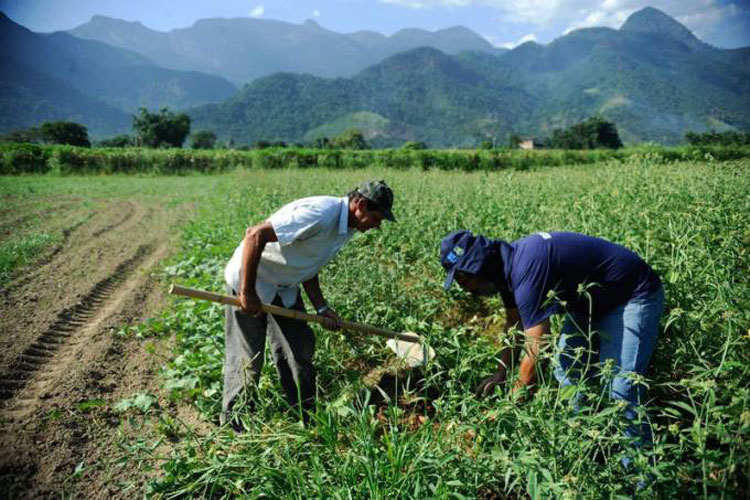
310 232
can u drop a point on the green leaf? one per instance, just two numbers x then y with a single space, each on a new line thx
532 486
684 406
91 403
143 402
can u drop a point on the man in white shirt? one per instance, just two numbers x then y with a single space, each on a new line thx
268 266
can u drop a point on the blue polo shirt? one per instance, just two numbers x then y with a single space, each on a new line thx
560 262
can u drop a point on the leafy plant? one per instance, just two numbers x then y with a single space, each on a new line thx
142 402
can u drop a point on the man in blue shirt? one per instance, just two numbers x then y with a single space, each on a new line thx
610 297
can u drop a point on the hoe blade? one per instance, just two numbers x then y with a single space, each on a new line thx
411 353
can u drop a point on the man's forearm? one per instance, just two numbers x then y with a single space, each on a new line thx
255 242
527 372
314 293
510 353
508 356
535 336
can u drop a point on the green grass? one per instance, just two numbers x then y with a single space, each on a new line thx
689 220
21 252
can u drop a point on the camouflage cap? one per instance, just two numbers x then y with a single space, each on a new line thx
378 192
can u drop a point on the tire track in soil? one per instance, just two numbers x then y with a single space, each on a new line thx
42 455
50 255
109 227
68 356
10 225
82 246
72 325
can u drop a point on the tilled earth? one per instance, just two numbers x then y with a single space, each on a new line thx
62 366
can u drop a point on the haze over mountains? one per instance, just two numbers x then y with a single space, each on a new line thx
58 76
651 77
241 50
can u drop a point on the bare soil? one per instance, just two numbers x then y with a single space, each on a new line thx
62 364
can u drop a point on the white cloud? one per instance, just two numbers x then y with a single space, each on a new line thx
699 16
429 4
600 18
611 4
316 13
531 37
702 23
257 11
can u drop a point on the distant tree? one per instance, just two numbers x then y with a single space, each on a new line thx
263 144
161 129
203 139
514 140
30 135
351 139
321 143
485 145
414 145
692 137
119 141
590 134
606 134
728 138
71 133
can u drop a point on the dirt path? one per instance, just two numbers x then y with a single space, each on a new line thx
61 365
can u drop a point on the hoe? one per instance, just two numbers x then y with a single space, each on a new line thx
407 346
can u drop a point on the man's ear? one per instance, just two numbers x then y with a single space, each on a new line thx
361 203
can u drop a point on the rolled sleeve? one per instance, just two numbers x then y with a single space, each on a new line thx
533 306
297 223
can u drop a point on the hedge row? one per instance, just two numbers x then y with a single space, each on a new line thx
32 158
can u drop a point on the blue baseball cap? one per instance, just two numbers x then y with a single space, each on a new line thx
462 251
452 253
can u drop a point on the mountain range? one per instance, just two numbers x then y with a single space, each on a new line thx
653 78
242 50
58 76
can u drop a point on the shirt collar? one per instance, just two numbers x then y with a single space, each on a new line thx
344 216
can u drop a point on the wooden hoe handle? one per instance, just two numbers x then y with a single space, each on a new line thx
290 313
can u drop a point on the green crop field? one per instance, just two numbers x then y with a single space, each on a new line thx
689 220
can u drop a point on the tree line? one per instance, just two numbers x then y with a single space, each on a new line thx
728 138
167 129
160 129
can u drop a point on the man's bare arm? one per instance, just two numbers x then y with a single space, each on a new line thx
507 356
255 241
535 338
315 294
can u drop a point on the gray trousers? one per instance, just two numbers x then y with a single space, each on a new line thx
292 343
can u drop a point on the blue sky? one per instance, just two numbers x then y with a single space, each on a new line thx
723 23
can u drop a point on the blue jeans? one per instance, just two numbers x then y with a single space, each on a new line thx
626 335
